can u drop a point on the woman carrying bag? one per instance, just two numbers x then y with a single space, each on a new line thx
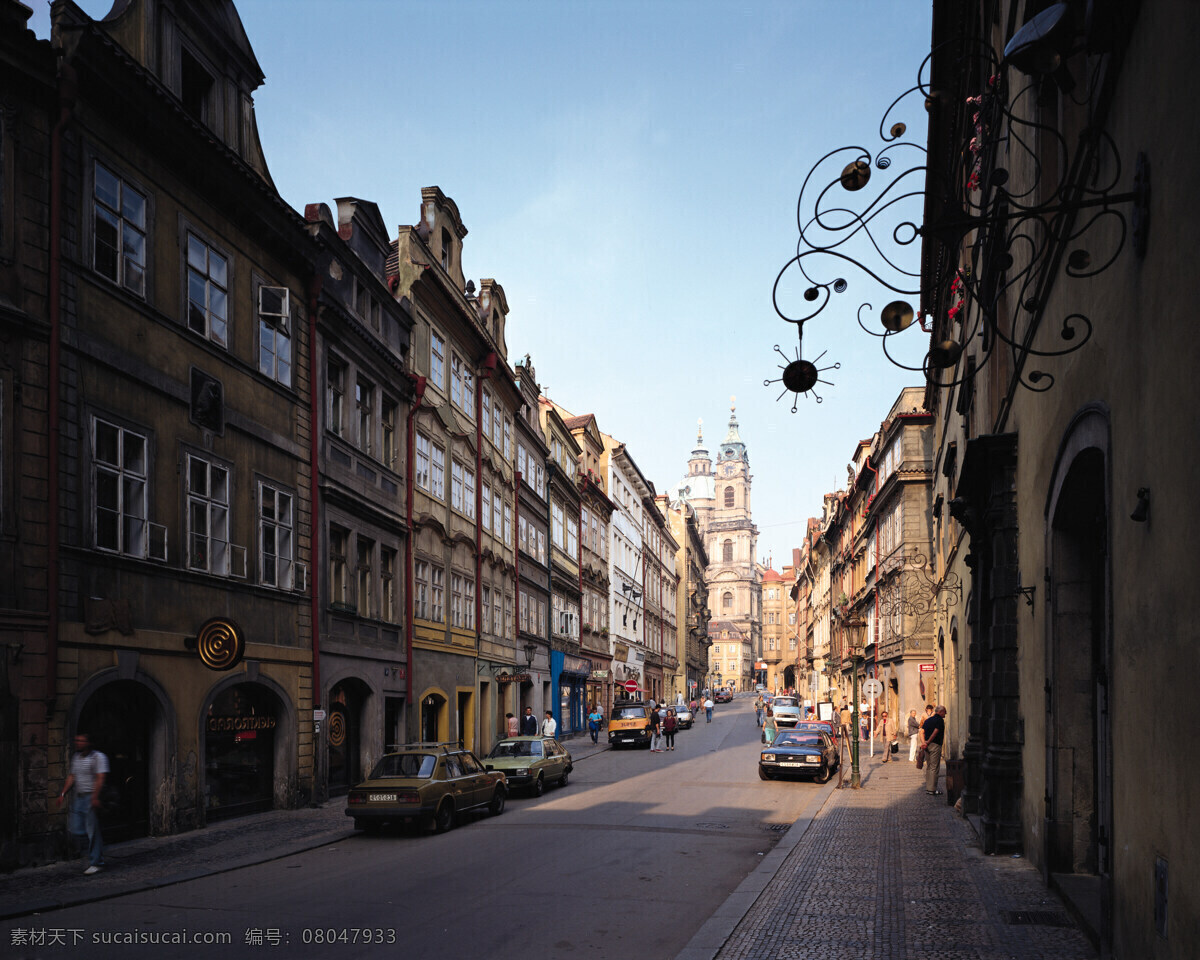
769 728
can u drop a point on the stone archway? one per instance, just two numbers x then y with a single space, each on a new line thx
344 741
247 734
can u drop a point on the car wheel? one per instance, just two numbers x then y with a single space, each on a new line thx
443 820
763 774
539 786
562 781
496 807
825 774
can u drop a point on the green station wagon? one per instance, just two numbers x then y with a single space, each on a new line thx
429 783
531 762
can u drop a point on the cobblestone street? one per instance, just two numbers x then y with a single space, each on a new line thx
890 872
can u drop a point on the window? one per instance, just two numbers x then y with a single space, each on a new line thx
421 590
541 546
446 250
485 603
208 285
119 471
456 372
507 438
792 643
508 614
208 516
275 536
421 468
335 387
485 510
437 594
558 534
727 551
387 422
437 472
458 617
497 622
338 581
456 485
729 496
119 231
716 648
727 601
792 619
274 334
195 85
365 576
364 405
496 500
437 361
521 458
469 603
507 523
572 536
485 423
387 584
497 426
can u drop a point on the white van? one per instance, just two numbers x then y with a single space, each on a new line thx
786 711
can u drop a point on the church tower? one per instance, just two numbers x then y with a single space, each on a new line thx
720 495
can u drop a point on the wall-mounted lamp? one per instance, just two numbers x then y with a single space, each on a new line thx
530 653
1141 513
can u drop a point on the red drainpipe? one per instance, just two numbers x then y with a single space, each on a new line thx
314 293
411 429
66 104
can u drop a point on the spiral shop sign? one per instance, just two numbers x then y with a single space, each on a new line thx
221 644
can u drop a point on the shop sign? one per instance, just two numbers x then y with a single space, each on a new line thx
573 664
599 674
512 678
220 643
239 724
927 667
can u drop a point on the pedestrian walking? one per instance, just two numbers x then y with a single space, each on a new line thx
655 731
769 728
595 718
549 726
913 729
933 734
85 780
708 707
512 726
669 723
883 721
846 720
758 711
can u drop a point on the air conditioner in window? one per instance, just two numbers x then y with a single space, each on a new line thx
274 304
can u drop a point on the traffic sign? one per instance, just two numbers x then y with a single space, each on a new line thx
927 667
872 688
631 686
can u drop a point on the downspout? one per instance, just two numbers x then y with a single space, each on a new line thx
489 367
410 463
66 105
314 293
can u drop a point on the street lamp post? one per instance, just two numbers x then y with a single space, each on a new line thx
855 629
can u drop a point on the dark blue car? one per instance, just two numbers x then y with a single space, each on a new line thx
799 753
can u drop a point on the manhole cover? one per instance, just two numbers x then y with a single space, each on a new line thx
1041 918
713 826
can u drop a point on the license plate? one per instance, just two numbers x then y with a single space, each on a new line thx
383 798
791 763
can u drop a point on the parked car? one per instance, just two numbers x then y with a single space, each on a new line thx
723 696
531 762
799 753
429 783
683 715
820 726
787 711
629 722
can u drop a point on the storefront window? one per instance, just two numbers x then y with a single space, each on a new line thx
239 752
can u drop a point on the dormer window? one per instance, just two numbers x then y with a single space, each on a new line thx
195 86
446 250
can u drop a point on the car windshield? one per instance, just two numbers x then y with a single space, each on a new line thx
628 713
785 702
516 748
802 739
417 765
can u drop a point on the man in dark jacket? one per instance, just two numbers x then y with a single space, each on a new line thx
529 724
933 733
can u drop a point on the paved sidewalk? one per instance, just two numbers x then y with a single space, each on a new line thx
151 862
891 872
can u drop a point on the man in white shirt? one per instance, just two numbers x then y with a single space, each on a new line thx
549 727
88 771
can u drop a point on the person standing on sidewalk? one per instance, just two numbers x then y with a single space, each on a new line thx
512 726
846 719
595 718
549 725
913 729
85 781
758 710
708 707
933 733
529 724
655 731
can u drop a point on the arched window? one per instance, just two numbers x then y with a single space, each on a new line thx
727 551
729 496
727 601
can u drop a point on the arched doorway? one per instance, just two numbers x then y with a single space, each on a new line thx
1078 831
433 705
240 734
344 740
120 717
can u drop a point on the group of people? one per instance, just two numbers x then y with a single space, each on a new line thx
926 734
527 726
663 724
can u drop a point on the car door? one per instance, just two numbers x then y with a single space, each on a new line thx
456 785
476 784
555 761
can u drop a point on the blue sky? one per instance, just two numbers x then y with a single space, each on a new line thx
628 172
